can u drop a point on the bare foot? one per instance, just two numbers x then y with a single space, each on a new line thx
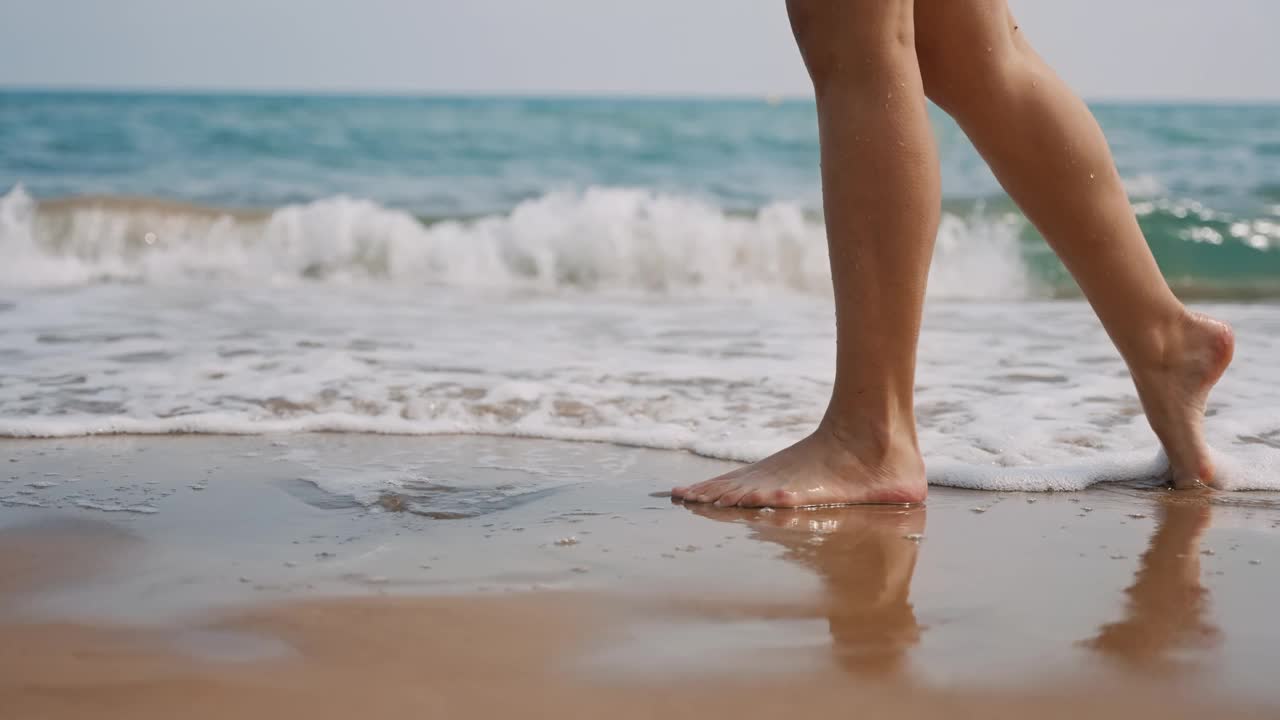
821 469
1174 388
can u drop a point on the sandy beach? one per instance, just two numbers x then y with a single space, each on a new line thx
350 354
216 577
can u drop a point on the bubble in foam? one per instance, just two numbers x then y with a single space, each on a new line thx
1041 478
142 509
14 500
1247 468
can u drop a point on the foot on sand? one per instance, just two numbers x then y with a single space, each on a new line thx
1173 383
822 469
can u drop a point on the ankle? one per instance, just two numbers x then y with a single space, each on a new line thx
875 441
1159 345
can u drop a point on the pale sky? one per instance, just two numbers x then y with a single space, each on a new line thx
1132 49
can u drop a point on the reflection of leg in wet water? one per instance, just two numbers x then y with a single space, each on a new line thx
866 557
1167 605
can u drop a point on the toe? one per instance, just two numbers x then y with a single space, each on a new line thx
771 498
753 499
786 499
733 496
711 491
691 492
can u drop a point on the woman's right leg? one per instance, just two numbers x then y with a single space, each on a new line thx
880 189
1051 157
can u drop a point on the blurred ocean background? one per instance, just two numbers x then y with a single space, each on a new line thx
649 272
584 193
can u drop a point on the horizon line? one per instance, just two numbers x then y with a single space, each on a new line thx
496 94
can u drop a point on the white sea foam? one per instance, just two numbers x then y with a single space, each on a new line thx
603 239
1010 395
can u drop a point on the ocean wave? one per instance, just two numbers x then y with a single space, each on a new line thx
611 240
602 239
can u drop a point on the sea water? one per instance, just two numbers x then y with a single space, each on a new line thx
645 272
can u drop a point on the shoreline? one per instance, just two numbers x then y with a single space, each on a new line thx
254 581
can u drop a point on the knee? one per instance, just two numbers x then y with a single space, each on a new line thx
958 79
851 42
962 73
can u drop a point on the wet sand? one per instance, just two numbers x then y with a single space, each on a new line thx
215 577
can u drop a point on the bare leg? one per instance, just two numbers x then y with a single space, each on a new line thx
881 194
1049 153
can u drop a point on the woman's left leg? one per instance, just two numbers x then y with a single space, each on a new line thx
1050 155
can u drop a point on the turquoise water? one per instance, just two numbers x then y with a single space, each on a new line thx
641 272
1204 179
